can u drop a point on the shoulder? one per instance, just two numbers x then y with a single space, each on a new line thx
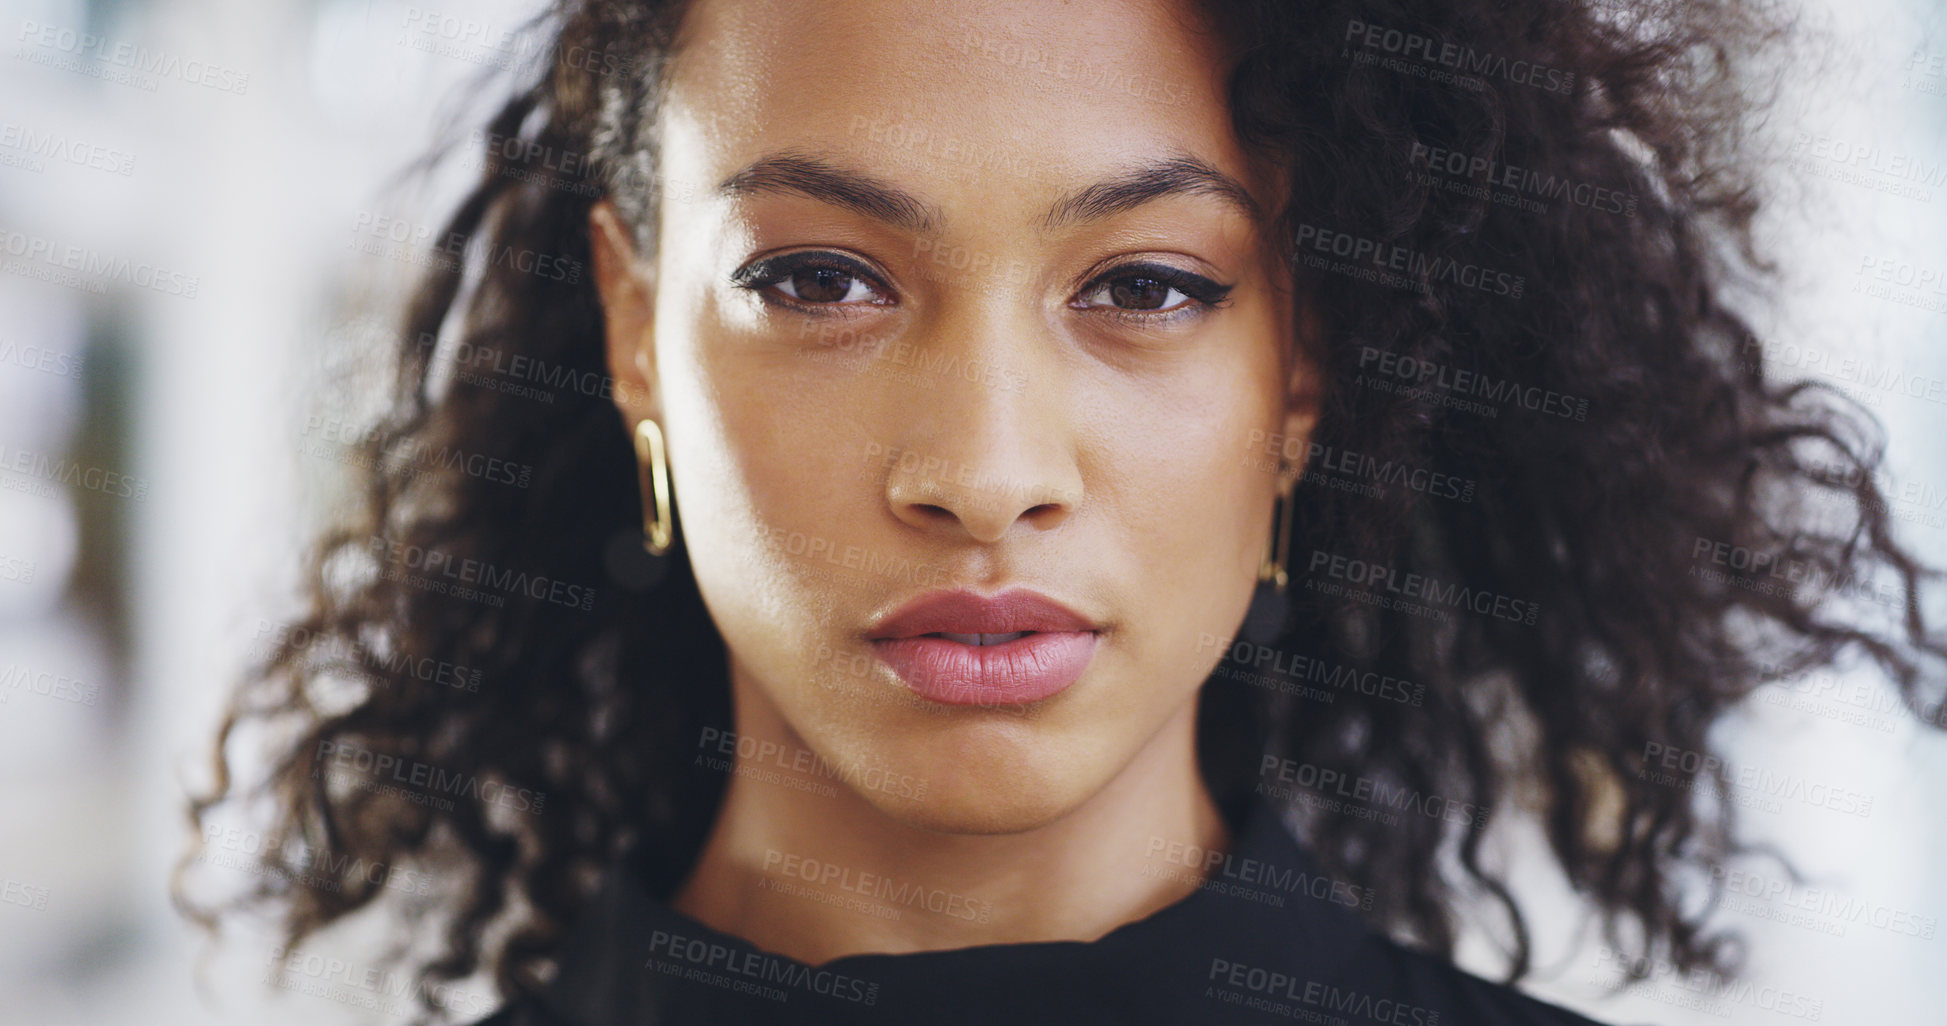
527 1011
1462 997
1333 961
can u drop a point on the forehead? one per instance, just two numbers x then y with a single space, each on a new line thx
982 101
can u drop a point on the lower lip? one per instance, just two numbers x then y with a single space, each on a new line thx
1027 669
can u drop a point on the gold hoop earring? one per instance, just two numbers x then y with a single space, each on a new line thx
1271 570
658 516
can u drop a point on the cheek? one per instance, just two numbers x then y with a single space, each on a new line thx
770 497
1199 557
1195 514
1185 475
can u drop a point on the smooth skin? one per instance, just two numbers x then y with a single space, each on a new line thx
957 380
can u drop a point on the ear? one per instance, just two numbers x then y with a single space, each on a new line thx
1304 392
628 293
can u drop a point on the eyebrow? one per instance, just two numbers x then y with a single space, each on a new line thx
855 190
1178 176
843 187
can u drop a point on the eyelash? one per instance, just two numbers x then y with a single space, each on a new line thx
1202 293
763 277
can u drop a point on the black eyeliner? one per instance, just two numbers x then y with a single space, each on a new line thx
1191 284
771 270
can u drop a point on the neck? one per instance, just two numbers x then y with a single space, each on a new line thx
814 876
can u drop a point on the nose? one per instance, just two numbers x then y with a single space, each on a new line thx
993 442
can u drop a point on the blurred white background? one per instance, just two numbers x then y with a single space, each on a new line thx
153 493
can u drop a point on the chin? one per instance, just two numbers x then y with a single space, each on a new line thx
986 815
997 790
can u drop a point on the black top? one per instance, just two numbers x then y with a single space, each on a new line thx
1267 939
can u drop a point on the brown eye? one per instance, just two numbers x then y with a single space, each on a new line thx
821 284
1139 293
1151 290
814 279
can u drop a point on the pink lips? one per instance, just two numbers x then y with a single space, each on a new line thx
959 671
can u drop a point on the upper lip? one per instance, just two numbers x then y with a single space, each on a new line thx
964 612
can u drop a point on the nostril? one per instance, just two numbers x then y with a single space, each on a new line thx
931 511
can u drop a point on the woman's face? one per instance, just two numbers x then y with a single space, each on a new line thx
957 296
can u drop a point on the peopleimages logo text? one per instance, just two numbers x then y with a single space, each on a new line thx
1493 173
476 572
756 968
1428 50
1317 994
1428 373
1421 268
425 777
133 57
1423 588
1366 791
98 266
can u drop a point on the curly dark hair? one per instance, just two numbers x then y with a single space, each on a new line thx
1563 212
